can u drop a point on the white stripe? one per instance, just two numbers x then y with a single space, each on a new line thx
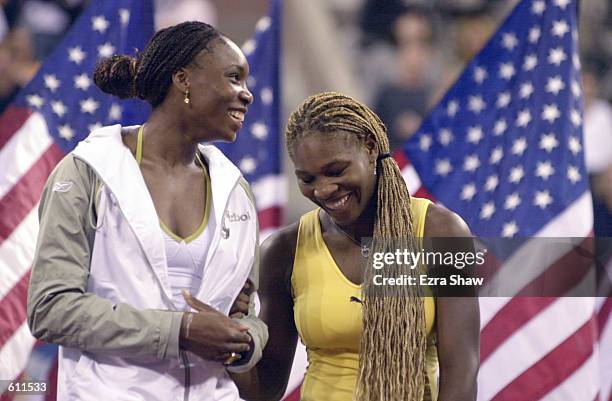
17 252
605 350
15 353
575 221
533 341
489 306
22 151
413 182
582 385
270 191
599 303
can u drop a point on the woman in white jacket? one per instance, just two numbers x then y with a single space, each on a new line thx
134 221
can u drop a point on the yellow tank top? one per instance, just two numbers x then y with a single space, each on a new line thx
329 323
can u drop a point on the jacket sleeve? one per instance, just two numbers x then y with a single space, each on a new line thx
257 328
60 310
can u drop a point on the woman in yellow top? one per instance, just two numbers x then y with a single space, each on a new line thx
315 282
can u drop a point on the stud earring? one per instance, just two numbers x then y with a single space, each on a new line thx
186 100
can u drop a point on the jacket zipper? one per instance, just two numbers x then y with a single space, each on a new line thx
185 360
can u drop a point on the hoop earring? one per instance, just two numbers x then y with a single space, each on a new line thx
186 100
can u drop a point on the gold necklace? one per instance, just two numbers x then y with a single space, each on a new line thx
365 249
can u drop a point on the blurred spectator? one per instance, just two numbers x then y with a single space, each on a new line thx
377 18
17 64
598 145
596 38
376 53
11 11
3 24
47 21
594 15
402 103
470 28
171 12
462 6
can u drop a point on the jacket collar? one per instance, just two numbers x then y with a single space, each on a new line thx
223 176
114 163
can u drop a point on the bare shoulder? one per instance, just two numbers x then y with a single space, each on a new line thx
441 222
278 250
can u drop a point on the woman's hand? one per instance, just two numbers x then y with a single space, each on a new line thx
210 334
240 307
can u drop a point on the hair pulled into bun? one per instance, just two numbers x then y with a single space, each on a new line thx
149 75
116 75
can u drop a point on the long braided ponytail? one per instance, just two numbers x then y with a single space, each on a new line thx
393 342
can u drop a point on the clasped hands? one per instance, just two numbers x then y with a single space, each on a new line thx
211 335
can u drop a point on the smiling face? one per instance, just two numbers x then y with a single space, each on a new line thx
219 97
335 171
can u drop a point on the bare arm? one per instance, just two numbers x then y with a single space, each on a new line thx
458 320
268 380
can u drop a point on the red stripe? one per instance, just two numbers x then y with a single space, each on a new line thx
294 395
556 280
553 369
401 159
11 120
270 217
13 309
564 274
604 315
6 397
22 197
517 312
403 162
424 193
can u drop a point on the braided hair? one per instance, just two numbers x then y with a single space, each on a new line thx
148 76
393 342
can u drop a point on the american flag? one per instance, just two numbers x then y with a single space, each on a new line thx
61 105
503 149
257 149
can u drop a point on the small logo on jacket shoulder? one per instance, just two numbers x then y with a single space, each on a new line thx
233 217
62 186
225 232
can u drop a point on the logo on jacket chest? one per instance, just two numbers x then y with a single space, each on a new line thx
233 217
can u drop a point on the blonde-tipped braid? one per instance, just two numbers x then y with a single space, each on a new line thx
393 342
